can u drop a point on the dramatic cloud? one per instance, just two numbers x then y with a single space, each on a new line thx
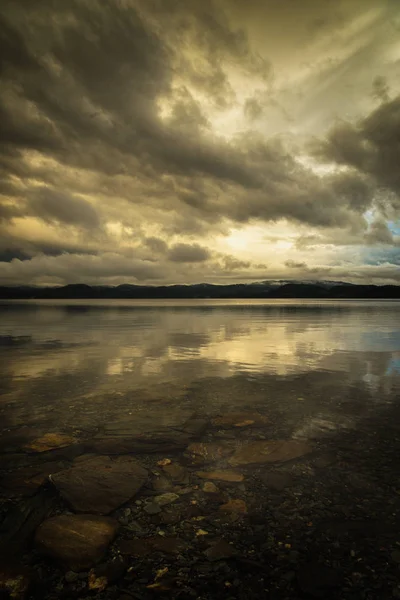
139 138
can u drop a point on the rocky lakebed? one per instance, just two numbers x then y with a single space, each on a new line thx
206 507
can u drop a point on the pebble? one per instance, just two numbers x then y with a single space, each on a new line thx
166 499
152 508
71 576
210 488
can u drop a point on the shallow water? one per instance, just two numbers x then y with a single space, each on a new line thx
293 406
80 364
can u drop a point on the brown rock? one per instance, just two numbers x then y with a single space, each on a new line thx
210 488
161 484
221 475
269 452
177 473
77 541
145 432
239 419
219 551
14 582
50 441
25 482
234 506
100 485
106 574
202 453
22 520
165 499
195 426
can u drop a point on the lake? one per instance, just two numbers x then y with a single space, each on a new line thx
247 448
63 361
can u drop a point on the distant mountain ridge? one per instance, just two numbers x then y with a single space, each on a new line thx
263 289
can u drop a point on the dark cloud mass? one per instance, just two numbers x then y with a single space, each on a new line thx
188 253
137 135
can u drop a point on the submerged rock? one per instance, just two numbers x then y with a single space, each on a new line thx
239 419
220 550
201 452
221 475
25 482
210 488
22 521
161 484
14 582
100 485
155 431
235 506
269 452
50 441
106 574
77 541
166 499
177 473
151 508
141 443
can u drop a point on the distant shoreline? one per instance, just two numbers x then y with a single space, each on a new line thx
263 290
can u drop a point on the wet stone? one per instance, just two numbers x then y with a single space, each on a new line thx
151 508
177 473
210 488
50 441
161 484
166 499
22 521
108 573
14 582
146 433
236 506
100 485
221 475
269 452
239 420
26 481
220 550
202 453
77 541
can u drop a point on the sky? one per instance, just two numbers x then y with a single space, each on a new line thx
187 141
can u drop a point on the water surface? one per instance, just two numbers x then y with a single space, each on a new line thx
80 364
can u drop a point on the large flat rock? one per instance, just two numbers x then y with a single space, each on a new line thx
153 432
100 485
50 441
26 481
208 452
269 452
239 420
77 541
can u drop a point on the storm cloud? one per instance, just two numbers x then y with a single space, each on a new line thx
138 137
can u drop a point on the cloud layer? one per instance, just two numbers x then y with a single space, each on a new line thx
138 138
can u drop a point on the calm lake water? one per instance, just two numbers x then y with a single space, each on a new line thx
318 366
